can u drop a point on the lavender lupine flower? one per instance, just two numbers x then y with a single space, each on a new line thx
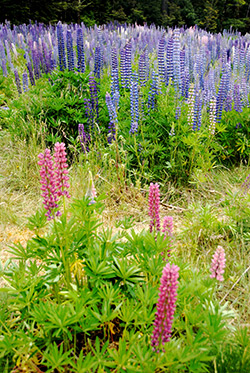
80 51
128 64
161 59
36 61
218 264
197 112
98 62
48 181
31 76
237 99
134 104
153 92
176 61
18 84
61 172
112 118
166 306
170 70
25 82
70 52
177 112
3 59
212 115
154 207
123 68
114 74
221 95
142 70
61 47
84 138
191 100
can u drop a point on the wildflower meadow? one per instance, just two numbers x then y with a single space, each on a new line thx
124 210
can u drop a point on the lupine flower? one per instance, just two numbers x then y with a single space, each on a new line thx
112 117
70 52
134 104
218 264
31 76
169 60
154 207
18 84
166 306
48 181
161 59
212 115
168 228
61 172
25 82
80 51
128 64
84 138
61 47
142 69
176 61
98 62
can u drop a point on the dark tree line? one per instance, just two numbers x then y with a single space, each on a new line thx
213 15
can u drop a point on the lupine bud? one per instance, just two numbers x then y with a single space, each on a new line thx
218 264
154 207
165 306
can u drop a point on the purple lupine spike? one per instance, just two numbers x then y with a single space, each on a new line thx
170 70
221 95
122 67
197 112
98 62
176 61
191 100
61 46
142 70
218 264
31 76
25 82
177 112
212 115
80 51
134 104
161 59
237 99
84 138
18 84
154 207
60 169
48 182
3 60
153 92
183 72
128 64
112 117
166 306
70 51
114 74
8 54
36 61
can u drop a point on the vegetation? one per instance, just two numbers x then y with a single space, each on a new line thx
80 293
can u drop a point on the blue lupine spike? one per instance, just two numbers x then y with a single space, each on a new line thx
153 92
70 52
237 99
80 51
122 68
128 64
31 76
142 69
61 47
112 117
18 84
98 62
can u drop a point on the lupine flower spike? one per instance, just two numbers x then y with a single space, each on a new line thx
165 306
154 207
218 264
48 181
61 172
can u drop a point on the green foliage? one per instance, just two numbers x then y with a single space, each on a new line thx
80 299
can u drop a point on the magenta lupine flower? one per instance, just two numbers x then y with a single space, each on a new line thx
48 181
61 172
168 228
165 306
154 207
218 264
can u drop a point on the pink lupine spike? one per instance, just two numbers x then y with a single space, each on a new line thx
218 264
165 306
154 207
48 182
61 172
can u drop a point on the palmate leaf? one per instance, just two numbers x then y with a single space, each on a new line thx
55 358
127 272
